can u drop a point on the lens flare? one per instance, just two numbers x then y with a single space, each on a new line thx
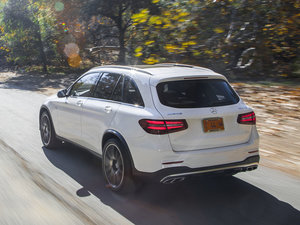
72 52
71 49
59 6
74 60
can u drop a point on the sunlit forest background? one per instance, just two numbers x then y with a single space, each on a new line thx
244 38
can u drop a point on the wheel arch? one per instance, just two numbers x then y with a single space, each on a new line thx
115 134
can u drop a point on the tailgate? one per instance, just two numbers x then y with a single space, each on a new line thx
211 109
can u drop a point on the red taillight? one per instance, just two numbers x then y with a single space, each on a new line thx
247 118
163 126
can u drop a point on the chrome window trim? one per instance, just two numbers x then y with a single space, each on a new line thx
113 101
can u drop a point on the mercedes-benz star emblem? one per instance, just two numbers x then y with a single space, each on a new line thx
213 110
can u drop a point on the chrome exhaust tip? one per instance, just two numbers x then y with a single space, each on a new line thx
251 168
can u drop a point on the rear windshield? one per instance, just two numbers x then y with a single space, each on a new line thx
196 93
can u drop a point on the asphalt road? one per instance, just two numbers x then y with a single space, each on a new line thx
65 186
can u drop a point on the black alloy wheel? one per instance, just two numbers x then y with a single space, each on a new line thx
116 167
47 131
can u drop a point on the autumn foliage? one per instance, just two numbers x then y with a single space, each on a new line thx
235 37
243 37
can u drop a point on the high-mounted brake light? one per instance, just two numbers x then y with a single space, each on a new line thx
247 118
163 126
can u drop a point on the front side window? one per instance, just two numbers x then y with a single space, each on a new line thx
85 86
196 93
106 85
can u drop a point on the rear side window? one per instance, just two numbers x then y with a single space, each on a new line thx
106 85
131 93
118 92
196 93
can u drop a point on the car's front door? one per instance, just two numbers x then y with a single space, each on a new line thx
69 111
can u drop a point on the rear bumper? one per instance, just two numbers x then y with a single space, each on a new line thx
152 154
163 175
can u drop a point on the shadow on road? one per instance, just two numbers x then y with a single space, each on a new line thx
37 82
203 201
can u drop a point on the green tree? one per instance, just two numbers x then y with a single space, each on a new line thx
3 46
27 25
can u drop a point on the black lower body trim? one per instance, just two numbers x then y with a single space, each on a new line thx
183 171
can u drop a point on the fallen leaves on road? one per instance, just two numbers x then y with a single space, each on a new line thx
278 123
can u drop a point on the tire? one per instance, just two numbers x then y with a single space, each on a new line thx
116 167
47 132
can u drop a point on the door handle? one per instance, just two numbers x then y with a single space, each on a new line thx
107 109
79 103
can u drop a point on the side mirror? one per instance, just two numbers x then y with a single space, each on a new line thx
62 93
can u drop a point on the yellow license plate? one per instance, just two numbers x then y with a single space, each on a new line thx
213 124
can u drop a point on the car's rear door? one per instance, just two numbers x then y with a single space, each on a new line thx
99 110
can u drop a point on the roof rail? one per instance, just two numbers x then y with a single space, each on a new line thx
141 68
174 64
182 65
123 67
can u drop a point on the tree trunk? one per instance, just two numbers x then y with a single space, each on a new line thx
122 52
122 29
41 49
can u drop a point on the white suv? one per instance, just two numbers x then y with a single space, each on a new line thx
166 121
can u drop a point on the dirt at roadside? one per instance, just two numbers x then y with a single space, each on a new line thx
278 123
276 108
